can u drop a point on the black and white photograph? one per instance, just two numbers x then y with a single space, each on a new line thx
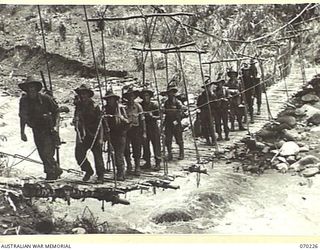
160 119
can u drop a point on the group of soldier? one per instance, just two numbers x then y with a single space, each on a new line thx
128 126
222 101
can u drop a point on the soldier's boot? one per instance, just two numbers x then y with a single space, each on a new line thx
259 109
137 167
87 175
208 142
100 178
181 152
241 128
157 167
219 137
169 149
227 136
147 165
232 127
251 118
129 167
120 175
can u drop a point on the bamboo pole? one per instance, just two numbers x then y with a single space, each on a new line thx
141 16
166 49
226 60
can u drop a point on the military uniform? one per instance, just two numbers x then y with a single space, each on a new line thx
258 87
221 106
236 112
89 134
203 104
118 125
40 112
248 82
153 131
136 132
173 110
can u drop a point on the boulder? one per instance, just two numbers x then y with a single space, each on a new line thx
282 167
78 230
291 159
304 149
314 119
310 98
282 159
315 129
265 149
309 110
299 112
172 215
291 135
289 148
287 121
260 145
303 162
278 144
309 172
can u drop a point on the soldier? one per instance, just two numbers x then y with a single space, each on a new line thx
221 105
173 110
151 111
248 83
40 112
137 131
118 124
256 82
87 119
205 117
62 31
236 112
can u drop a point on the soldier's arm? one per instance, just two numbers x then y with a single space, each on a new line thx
142 120
155 114
23 119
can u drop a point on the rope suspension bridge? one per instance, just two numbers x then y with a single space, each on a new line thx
111 190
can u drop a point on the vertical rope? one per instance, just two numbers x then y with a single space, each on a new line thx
45 48
103 54
93 55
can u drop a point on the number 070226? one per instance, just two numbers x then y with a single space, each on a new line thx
309 246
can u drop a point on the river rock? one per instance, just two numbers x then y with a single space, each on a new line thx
291 159
260 145
314 119
266 149
278 144
309 172
299 112
78 230
282 159
266 133
172 215
304 148
282 167
287 121
291 135
310 98
315 129
301 164
309 110
289 148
